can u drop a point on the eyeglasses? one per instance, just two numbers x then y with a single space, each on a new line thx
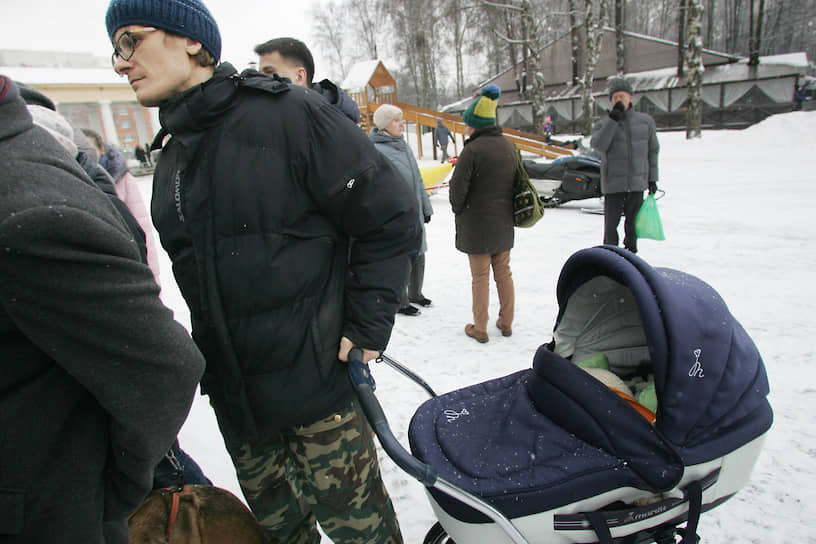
125 44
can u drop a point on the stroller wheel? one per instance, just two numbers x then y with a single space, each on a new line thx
437 535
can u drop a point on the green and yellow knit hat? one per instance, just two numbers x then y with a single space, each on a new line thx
482 113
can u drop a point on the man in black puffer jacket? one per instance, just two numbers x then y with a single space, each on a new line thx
290 237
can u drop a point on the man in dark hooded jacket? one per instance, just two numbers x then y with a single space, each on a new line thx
290 237
290 58
97 377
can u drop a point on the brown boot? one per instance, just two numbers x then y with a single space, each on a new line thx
471 331
506 331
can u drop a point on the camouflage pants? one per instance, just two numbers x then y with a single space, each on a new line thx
326 472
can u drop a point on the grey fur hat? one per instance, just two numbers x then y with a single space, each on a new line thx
618 84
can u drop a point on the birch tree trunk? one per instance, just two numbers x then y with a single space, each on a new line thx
620 52
694 114
594 22
575 40
755 29
681 37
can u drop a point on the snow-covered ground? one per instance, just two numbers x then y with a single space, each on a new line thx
738 213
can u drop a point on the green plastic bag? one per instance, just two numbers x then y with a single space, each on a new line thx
647 221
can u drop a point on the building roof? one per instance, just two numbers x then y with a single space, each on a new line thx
359 75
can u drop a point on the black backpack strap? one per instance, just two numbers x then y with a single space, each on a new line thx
598 522
694 492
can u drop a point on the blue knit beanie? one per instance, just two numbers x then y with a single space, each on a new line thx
482 112
188 18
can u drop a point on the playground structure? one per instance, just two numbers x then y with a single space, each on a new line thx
370 85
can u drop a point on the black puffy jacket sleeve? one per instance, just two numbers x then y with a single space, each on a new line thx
363 195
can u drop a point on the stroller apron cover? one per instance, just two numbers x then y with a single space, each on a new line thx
554 441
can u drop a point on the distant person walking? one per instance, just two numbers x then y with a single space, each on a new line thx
481 196
148 157
548 129
798 97
387 138
442 135
627 141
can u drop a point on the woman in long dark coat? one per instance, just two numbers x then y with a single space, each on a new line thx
481 196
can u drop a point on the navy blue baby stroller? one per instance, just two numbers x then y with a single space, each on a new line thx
552 455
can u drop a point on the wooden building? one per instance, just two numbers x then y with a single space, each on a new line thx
735 95
369 84
87 92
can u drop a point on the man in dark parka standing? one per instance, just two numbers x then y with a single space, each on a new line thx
290 237
96 376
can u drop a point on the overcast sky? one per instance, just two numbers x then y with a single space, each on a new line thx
79 25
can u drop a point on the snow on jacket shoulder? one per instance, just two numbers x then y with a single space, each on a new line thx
629 151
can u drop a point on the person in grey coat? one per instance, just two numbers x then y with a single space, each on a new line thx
387 138
481 197
97 376
627 141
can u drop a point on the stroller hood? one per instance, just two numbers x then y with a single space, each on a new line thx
709 377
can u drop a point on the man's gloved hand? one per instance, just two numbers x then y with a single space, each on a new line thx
616 113
427 218
652 187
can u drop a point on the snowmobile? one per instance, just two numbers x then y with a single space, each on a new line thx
567 178
556 454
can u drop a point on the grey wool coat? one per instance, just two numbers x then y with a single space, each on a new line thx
481 193
629 148
96 376
401 156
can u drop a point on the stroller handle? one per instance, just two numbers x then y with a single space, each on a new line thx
363 383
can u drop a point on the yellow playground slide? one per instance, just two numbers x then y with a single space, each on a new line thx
435 177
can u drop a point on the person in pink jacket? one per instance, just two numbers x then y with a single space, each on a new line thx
115 163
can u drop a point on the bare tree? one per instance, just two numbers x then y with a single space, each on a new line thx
755 37
595 19
694 112
365 23
459 17
329 33
413 23
575 39
620 53
518 34
712 6
681 38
